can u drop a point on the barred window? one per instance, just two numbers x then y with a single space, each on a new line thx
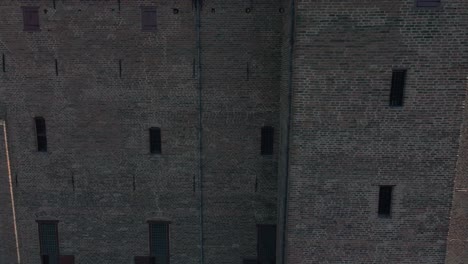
266 243
159 241
48 240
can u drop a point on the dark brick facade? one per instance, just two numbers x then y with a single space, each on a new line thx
345 140
101 82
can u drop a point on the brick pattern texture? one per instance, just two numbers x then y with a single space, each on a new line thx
346 140
98 177
100 181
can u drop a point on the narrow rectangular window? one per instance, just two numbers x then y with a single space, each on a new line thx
155 140
267 140
266 243
385 201
148 18
31 18
397 89
159 241
41 134
249 261
48 242
427 3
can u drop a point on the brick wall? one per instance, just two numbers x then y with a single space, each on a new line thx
98 177
346 140
457 242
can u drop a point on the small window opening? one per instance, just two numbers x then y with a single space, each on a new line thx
159 241
267 140
155 140
397 88
31 18
41 134
385 201
427 3
148 18
48 242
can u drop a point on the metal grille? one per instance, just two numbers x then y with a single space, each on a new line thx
49 242
385 200
266 244
159 242
267 140
397 90
155 140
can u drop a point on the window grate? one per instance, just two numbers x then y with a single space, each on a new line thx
159 242
266 243
397 88
48 240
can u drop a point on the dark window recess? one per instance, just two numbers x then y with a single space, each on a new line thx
45 259
31 18
48 240
155 140
148 18
3 63
120 68
249 261
398 87
267 140
69 259
427 3
385 200
159 242
41 134
266 244
145 260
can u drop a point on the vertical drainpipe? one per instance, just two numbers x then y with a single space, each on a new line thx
288 130
7 154
198 6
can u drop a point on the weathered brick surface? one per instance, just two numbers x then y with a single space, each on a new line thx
346 140
457 242
97 126
100 181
